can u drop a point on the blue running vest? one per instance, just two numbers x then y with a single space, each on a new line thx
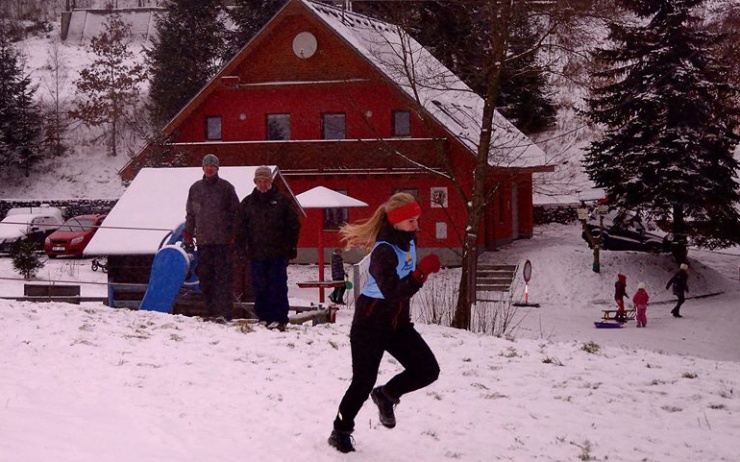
406 264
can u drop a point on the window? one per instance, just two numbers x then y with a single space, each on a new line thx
333 127
213 128
334 218
278 126
401 123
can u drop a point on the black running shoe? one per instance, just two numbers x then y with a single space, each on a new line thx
385 407
342 441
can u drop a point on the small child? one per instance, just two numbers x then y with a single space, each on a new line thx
620 291
337 274
640 300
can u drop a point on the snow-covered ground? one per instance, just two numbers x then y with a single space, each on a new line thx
90 383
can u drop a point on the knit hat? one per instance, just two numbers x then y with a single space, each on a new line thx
641 285
684 266
210 160
263 172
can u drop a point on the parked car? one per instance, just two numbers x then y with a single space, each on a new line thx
73 236
24 223
627 231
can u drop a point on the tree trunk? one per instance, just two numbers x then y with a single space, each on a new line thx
476 206
679 249
500 13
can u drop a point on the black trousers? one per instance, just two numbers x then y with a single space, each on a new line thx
681 299
215 274
368 346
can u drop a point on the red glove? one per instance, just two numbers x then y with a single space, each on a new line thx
426 266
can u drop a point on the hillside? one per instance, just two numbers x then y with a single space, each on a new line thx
87 172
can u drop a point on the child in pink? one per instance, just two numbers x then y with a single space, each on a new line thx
641 301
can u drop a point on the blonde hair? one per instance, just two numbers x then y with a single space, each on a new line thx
364 232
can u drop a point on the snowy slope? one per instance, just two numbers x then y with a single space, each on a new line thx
89 383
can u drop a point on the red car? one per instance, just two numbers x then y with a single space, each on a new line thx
73 236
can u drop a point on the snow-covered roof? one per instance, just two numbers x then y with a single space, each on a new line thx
404 61
154 204
323 197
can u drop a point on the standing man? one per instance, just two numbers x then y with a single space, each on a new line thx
268 228
210 214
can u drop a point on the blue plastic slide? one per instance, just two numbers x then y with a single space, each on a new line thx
169 270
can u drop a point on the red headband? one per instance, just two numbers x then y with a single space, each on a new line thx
403 213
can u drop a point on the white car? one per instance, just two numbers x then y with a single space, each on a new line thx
34 223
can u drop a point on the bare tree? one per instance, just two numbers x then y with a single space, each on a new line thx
55 111
110 86
495 142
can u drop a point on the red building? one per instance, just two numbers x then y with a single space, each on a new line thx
341 100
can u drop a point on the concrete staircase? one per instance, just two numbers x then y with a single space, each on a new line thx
493 278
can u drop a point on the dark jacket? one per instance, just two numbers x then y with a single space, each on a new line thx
620 287
393 311
267 225
210 211
680 282
337 267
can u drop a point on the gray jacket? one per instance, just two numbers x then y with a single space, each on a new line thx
210 211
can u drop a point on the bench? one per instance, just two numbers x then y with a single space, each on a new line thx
317 314
52 292
321 284
608 315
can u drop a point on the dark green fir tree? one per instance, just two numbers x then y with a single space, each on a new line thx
186 54
20 118
458 33
670 123
25 258
249 17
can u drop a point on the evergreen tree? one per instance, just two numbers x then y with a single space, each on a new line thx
458 33
185 55
25 258
28 126
20 120
9 75
670 125
523 98
249 17
110 86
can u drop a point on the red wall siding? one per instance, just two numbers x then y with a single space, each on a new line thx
375 190
368 109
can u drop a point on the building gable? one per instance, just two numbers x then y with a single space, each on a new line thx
351 50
